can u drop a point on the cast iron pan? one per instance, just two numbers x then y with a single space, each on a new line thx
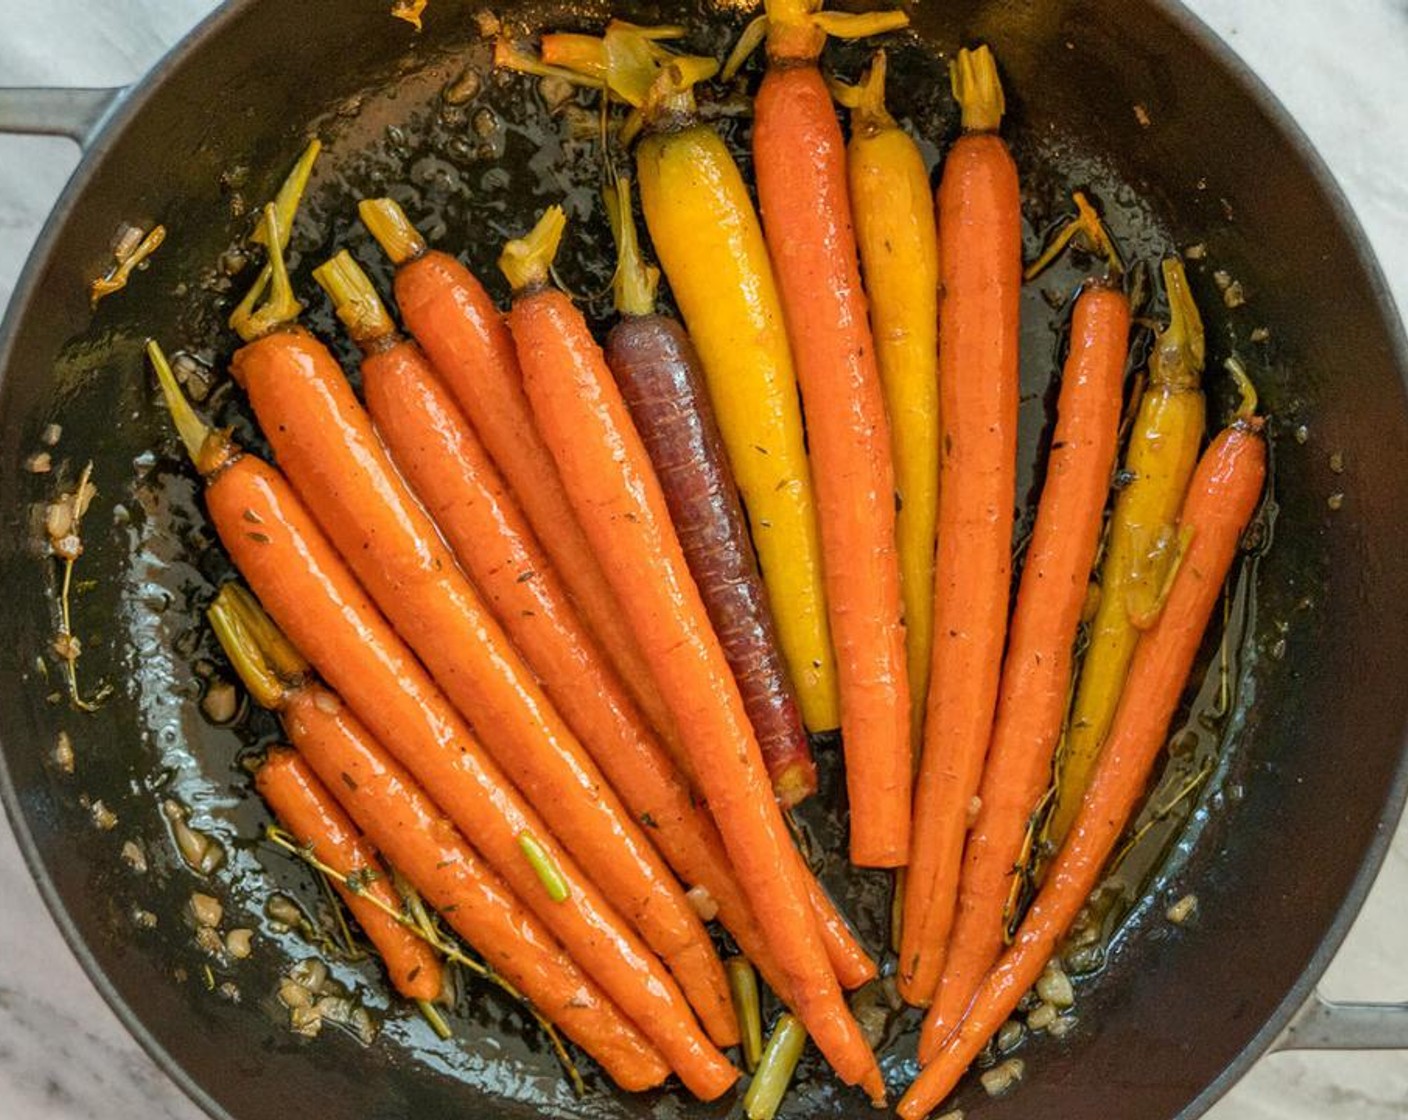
1282 843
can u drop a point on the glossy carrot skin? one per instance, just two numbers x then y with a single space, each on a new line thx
1221 500
450 876
710 245
445 463
800 158
315 599
586 424
1036 675
303 805
453 318
980 262
1162 451
896 235
658 373
323 439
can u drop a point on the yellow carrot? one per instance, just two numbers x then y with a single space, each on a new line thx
1142 542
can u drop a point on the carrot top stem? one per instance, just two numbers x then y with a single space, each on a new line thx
508 55
265 660
636 282
527 262
1246 408
355 300
1180 348
978 89
208 448
543 866
797 29
288 199
866 100
1086 223
387 222
290 196
752 38
282 306
628 60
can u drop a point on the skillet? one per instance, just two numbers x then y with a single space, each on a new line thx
1281 847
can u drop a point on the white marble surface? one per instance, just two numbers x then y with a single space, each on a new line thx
1341 66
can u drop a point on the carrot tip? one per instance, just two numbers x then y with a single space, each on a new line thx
794 783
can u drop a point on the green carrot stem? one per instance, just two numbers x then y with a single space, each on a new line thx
387 222
775 1071
636 282
866 100
743 981
527 261
543 866
978 89
1246 409
290 196
265 659
1088 224
355 299
1180 348
208 448
432 1015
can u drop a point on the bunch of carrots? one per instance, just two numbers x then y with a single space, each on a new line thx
547 621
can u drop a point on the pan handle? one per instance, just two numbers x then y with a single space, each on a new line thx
1324 1025
75 113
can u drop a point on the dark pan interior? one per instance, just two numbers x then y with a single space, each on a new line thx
1283 842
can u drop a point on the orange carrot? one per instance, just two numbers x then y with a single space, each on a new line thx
450 314
316 600
980 268
323 440
1036 676
618 499
1221 500
437 450
303 806
800 158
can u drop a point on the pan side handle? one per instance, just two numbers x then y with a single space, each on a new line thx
75 113
1324 1025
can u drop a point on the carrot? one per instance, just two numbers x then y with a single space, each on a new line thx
980 259
697 153
304 806
801 171
428 852
450 314
438 452
1036 676
893 210
322 438
657 370
614 491
1163 448
1221 500
316 600
708 240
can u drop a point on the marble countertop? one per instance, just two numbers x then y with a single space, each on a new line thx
1340 66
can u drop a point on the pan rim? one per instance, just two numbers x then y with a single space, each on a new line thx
132 102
